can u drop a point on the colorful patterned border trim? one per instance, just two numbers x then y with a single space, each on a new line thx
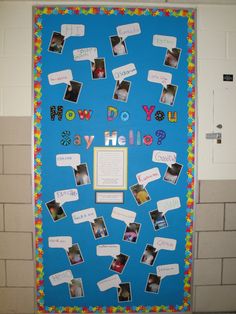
39 12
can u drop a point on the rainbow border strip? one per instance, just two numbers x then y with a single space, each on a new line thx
38 26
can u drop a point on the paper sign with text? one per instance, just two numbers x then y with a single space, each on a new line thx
88 214
164 157
128 30
63 242
163 78
62 277
108 250
68 30
167 270
168 204
164 41
65 160
122 214
124 71
82 54
60 77
109 282
147 176
64 196
164 244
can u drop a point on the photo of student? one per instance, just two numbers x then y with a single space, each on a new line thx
168 95
158 219
153 283
172 173
82 175
118 263
124 292
98 69
131 232
140 194
149 255
99 228
172 57
74 255
73 91
55 210
56 43
118 46
76 289
121 91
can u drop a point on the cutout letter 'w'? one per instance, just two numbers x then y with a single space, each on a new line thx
85 114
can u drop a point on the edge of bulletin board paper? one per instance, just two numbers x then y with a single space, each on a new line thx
38 25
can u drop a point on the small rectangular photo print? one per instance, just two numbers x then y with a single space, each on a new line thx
76 289
140 194
73 91
98 69
99 228
74 254
153 283
158 219
149 255
118 46
119 262
168 94
132 232
56 211
82 175
124 293
121 92
172 58
56 43
172 173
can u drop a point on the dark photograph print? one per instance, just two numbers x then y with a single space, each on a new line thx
98 69
153 283
73 91
99 228
56 211
168 94
149 255
132 232
158 219
172 173
124 292
119 262
172 57
56 43
118 46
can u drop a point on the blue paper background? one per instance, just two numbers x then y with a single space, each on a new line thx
97 95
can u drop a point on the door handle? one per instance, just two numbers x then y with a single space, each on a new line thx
214 136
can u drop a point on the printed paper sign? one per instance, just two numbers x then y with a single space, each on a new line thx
168 204
82 54
109 282
84 215
68 30
60 242
163 78
121 73
64 196
167 270
148 176
164 41
128 30
122 214
62 277
60 77
65 160
164 157
108 250
164 244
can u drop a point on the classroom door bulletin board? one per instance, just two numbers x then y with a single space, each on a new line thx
114 103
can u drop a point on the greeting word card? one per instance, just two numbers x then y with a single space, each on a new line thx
114 92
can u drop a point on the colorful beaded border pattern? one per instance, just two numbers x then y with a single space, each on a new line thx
189 14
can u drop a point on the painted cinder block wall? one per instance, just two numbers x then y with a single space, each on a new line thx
214 284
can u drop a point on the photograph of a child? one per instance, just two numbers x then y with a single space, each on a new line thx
56 43
168 94
158 219
132 232
153 283
118 46
74 254
140 194
76 289
72 91
124 292
172 57
121 92
119 262
56 211
99 228
98 69
82 175
149 255
172 173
